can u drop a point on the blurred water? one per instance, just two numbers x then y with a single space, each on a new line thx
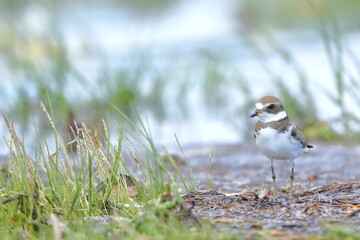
182 30
117 31
187 27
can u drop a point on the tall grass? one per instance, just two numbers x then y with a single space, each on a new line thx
53 194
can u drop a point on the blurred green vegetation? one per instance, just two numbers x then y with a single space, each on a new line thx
297 14
42 67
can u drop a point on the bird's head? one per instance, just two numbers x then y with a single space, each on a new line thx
269 109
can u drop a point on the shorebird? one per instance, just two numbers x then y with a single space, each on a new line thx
278 137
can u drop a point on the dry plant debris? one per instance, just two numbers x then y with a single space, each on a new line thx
307 214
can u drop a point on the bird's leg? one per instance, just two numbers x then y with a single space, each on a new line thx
292 178
273 177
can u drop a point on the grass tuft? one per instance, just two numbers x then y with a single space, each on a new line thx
69 188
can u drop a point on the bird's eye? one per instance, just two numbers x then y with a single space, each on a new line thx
271 106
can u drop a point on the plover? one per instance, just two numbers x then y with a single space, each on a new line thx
278 137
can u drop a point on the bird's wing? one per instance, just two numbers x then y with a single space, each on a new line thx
298 134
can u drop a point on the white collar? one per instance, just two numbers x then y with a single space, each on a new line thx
269 117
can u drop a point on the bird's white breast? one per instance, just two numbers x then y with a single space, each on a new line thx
279 146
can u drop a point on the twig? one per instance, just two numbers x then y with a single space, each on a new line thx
66 144
17 197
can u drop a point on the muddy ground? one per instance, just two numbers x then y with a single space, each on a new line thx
327 189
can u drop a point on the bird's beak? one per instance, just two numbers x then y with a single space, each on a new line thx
255 113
